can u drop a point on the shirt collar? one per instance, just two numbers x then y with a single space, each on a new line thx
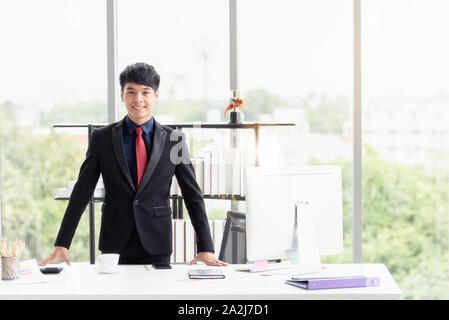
147 127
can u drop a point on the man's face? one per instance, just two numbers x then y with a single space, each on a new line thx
139 101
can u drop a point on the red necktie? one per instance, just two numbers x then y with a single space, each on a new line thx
141 155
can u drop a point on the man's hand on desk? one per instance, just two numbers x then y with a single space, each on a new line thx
59 253
208 258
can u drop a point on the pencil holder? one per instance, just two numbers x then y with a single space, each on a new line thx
10 268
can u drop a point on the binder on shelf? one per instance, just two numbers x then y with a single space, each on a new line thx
242 178
174 187
172 256
335 283
247 160
235 170
218 234
179 240
189 240
178 188
207 172
243 164
228 167
215 183
199 172
222 158
211 227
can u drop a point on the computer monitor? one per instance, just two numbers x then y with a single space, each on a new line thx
273 198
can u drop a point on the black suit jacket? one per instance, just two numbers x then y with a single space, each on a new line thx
149 206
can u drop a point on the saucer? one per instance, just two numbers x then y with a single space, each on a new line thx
117 270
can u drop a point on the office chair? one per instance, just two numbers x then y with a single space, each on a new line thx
233 245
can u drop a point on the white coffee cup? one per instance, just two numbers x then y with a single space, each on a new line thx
108 262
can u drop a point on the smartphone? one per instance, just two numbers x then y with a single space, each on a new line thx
50 270
161 266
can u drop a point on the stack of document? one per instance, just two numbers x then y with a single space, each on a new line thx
219 172
67 191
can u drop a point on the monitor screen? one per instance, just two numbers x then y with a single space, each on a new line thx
272 195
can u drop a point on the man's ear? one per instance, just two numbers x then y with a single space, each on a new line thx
156 94
121 95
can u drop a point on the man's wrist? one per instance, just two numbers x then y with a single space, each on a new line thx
61 246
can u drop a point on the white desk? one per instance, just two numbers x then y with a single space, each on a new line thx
82 281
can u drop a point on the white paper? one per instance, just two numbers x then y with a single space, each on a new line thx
31 274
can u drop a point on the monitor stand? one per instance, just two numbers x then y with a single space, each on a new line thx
307 244
303 253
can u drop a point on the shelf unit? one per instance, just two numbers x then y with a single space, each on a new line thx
177 202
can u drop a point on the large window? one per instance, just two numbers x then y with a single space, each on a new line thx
405 138
296 66
188 44
53 70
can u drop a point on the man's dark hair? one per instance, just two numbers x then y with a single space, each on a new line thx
141 73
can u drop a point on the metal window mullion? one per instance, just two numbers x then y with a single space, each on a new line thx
111 31
357 139
91 213
233 46
233 69
1 178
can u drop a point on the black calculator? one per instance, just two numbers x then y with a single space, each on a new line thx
51 270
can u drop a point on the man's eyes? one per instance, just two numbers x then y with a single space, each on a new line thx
132 92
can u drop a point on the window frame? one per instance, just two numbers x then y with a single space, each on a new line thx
357 214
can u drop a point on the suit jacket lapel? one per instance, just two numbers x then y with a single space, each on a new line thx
117 143
156 152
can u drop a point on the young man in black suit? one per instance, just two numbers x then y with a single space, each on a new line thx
137 158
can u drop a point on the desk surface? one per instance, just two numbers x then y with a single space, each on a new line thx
82 281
